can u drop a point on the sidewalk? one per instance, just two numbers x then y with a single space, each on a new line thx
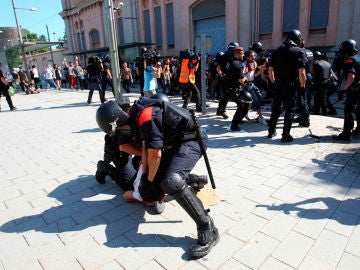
284 206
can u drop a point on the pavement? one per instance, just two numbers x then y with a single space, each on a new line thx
283 205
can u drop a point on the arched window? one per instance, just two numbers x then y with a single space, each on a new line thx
94 39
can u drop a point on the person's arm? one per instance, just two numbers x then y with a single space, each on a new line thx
130 149
302 77
271 74
4 80
154 157
349 80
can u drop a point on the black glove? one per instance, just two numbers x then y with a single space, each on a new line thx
150 191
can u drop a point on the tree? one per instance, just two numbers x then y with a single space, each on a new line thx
61 41
13 59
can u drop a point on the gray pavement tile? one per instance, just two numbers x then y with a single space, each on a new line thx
284 206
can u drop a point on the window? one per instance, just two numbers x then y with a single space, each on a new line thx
94 39
266 17
147 26
319 14
170 24
121 31
291 15
158 26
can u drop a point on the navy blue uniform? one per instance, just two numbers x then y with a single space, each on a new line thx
352 102
94 79
286 62
321 84
105 80
170 129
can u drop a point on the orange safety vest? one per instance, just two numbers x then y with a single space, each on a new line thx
184 72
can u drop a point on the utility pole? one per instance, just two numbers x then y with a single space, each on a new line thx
113 50
51 52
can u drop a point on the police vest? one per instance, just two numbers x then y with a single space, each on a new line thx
354 59
177 123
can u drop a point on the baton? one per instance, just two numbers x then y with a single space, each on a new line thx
202 148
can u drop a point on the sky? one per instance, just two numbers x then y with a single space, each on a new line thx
47 13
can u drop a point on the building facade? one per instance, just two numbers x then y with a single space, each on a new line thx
173 25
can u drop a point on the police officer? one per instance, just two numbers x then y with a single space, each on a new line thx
222 65
303 99
106 75
321 80
169 152
234 83
94 78
351 71
286 68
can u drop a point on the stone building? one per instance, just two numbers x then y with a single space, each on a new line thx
173 25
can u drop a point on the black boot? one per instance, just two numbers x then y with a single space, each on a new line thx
101 172
208 236
197 182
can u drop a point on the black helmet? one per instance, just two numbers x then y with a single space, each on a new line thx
348 46
257 47
232 45
294 38
106 58
317 55
110 116
161 97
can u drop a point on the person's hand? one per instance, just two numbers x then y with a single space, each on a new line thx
150 191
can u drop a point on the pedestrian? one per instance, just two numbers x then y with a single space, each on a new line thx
79 73
58 77
126 77
170 151
94 78
351 71
49 76
4 90
286 69
36 76
150 82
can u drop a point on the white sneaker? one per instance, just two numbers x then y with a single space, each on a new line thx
262 121
159 207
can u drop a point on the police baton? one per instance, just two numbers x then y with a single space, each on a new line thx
202 148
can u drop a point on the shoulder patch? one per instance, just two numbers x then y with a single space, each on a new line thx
349 61
145 115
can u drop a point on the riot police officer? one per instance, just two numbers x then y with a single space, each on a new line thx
286 69
321 80
351 71
170 151
234 85
106 75
221 71
94 78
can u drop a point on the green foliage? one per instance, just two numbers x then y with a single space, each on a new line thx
33 37
61 41
13 59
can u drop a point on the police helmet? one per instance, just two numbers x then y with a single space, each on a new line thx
294 38
106 58
218 55
161 97
257 47
348 46
232 45
317 55
110 116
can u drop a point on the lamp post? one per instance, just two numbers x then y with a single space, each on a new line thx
20 36
113 50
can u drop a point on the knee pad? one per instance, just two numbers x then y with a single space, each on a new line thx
173 183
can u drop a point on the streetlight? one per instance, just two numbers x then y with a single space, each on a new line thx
113 49
19 32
